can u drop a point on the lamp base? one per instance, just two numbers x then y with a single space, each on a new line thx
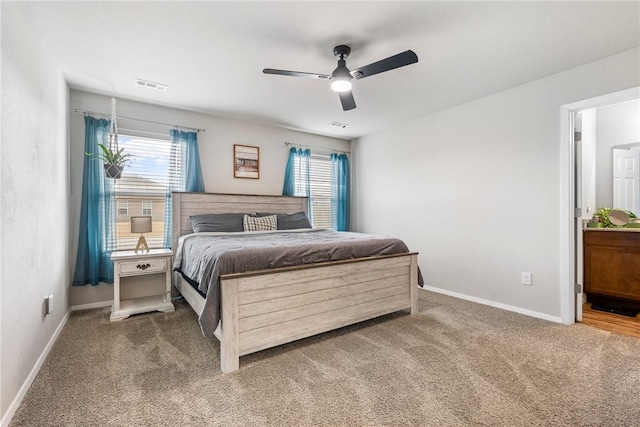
142 245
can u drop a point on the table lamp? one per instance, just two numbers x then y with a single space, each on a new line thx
141 224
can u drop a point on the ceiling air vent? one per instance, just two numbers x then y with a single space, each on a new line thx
339 125
151 85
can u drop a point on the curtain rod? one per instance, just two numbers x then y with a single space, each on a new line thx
78 110
317 148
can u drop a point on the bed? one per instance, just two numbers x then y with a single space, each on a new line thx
267 307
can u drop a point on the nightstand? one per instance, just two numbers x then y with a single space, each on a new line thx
129 264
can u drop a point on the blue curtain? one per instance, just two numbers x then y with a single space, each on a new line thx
194 182
289 188
185 173
97 212
339 192
297 180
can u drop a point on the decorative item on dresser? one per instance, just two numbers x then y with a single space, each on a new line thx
264 308
129 265
141 224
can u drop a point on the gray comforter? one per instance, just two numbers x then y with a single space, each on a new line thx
204 257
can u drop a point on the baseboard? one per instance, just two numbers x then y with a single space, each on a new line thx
92 305
531 313
6 419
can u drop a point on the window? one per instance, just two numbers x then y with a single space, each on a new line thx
320 177
147 207
158 167
325 179
123 208
142 189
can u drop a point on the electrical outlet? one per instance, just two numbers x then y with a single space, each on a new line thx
526 279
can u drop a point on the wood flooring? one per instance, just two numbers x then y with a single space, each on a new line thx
611 322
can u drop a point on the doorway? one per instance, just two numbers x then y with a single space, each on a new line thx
573 208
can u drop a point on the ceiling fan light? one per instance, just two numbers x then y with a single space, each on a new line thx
340 85
341 78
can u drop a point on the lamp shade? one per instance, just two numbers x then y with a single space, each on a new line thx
141 224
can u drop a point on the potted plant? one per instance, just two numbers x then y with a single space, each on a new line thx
114 160
602 216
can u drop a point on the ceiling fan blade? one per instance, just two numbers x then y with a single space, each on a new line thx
296 74
396 61
348 103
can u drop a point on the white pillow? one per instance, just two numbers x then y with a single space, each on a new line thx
260 223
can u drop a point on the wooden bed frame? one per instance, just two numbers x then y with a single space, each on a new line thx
266 308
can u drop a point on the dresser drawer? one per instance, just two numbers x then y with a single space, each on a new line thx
146 266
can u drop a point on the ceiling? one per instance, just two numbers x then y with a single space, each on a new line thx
211 54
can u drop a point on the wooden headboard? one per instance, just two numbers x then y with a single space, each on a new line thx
187 204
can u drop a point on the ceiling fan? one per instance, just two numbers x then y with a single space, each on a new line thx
341 76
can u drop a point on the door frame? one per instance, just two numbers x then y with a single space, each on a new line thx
568 196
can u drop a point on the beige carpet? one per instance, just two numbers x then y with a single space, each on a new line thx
455 364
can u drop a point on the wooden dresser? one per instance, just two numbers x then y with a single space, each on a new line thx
612 266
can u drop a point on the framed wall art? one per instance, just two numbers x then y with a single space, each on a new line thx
246 161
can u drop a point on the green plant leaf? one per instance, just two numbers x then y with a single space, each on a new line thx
108 156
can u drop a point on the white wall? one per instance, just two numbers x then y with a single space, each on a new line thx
476 188
216 155
34 213
618 124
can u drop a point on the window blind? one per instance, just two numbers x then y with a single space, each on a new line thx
142 189
320 177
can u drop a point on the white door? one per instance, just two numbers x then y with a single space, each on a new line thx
625 180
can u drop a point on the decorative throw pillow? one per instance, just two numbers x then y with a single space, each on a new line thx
260 223
290 221
226 222
293 221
